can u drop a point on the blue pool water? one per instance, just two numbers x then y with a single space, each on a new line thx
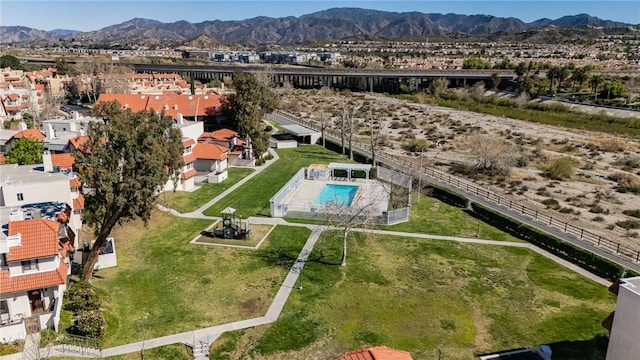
337 194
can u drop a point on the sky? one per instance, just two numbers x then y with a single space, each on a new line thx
88 15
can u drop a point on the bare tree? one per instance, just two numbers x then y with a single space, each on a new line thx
346 124
346 218
323 121
376 134
492 153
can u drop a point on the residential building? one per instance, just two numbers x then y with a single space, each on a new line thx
207 108
22 186
623 340
34 266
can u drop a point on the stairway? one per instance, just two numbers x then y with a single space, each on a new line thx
200 349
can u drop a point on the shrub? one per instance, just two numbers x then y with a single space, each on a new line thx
627 183
89 323
561 168
415 145
596 209
633 213
81 297
551 203
598 218
629 224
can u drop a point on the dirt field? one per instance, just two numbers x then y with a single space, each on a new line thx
590 195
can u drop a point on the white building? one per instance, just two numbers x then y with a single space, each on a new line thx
33 274
624 341
26 186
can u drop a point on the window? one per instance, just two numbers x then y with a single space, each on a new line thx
4 312
4 307
29 265
188 150
20 197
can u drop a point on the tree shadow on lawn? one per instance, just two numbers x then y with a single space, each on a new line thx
286 256
592 349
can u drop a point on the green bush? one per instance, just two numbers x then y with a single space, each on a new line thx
632 213
629 224
89 323
81 297
561 168
567 251
551 203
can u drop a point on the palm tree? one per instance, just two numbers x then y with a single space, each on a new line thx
596 80
520 70
552 74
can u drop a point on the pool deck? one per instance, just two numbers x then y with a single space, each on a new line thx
370 192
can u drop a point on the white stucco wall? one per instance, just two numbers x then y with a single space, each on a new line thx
624 341
44 264
55 188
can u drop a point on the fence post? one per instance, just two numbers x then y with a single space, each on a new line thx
638 257
600 238
581 233
550 220
535 217
565 228
510 206
618 249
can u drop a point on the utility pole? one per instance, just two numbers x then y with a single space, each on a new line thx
420 175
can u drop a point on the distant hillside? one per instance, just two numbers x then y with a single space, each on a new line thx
331 24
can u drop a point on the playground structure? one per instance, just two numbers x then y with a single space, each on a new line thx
232 226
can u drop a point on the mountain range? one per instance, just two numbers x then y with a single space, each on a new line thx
331 24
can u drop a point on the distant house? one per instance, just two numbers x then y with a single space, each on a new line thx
33 275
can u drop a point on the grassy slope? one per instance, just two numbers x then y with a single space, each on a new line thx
423 296
184 201
252 198
163 285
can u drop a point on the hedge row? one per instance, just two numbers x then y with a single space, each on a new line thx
583 258
447 196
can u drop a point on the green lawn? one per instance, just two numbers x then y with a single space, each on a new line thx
431 216
185 201
252 198
164 285
422 296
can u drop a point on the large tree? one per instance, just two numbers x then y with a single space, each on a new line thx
125 162
247 107
25 151
10 61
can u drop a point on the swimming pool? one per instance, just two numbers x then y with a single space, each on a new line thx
341 195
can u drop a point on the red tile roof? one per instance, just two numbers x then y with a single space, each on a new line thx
189 158
206 151
74 183
29 133
36 280
376 353
39 238
221 135
12 97
78 203
64 161
170 102
188 174
188 142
